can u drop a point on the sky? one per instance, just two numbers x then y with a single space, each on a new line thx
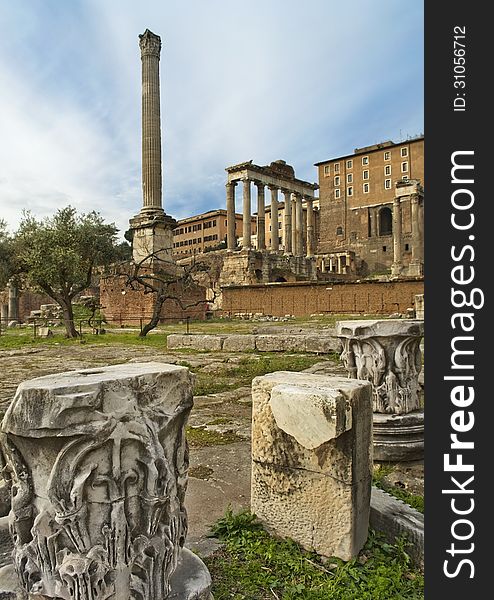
301 81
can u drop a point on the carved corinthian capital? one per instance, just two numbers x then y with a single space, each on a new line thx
97 461
150 44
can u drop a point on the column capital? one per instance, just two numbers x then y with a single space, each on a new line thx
231 183
259 183
150 44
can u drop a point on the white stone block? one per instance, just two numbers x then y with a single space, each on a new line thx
312 460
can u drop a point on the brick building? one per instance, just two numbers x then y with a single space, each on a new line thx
195 234
356 194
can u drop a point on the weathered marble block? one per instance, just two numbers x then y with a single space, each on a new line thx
97 460
312 460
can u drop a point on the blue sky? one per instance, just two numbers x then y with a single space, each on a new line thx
262 80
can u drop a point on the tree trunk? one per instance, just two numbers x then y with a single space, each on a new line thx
68 319
155 319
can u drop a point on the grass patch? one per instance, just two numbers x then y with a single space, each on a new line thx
248 368
252 565
199 437
200 472
379 480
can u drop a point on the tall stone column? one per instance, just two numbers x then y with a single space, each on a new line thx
261 216
397 266
310 227
375 225
416 263
4 315
230 215
13 301
152 229
247 230
299 227
387 353
294 223
150 45
288 221
275 243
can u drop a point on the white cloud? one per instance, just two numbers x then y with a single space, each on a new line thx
284 79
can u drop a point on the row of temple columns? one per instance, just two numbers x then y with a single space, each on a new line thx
293 219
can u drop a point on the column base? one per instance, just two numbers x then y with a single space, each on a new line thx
190 581
416 269
152 237
398 437
397 268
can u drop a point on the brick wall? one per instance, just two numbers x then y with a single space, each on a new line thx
28 301
124 306
306 298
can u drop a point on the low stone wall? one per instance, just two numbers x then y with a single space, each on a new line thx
394 518
316 343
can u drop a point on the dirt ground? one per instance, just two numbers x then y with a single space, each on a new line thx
219 456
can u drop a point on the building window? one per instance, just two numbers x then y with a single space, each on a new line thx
339 231
349 178
337 167
404 178
407 247
385 221
337 180
337 194
349 190
404 167
387 155
384 248
387 184
280 225
365 160
404 152
365 188
387 170
365 174
326 170
349 164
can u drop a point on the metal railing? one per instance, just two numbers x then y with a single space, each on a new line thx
96 325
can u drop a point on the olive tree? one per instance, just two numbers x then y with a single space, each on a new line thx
59 255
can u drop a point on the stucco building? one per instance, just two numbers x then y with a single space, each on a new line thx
205 231
356 195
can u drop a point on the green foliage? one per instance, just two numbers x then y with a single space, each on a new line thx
199 437
58 254
248 368
255 566
7 259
